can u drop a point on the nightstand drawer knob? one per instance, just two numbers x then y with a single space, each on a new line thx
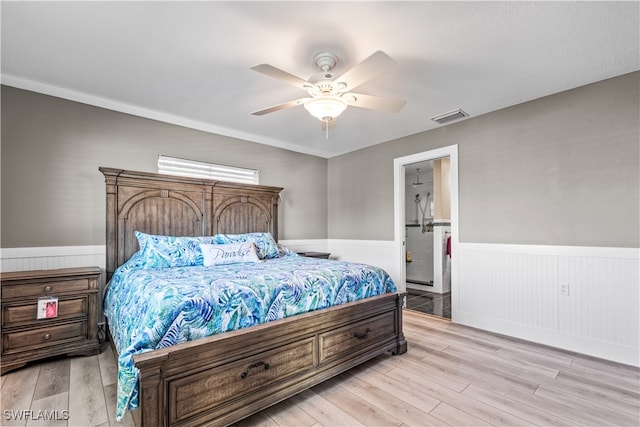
47 289
46 336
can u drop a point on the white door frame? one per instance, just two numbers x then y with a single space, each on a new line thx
399 214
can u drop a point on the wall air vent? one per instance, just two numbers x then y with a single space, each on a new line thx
450 116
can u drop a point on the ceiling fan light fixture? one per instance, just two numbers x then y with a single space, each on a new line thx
325 108
328 96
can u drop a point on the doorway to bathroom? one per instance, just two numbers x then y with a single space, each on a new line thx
426 216
427 237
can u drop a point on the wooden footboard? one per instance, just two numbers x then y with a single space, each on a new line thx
224 378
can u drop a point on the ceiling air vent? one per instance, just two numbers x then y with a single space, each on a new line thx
450 116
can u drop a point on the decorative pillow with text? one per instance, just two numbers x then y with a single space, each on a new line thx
230 253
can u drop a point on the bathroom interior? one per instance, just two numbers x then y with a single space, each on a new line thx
428 237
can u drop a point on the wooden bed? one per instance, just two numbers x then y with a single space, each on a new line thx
223 378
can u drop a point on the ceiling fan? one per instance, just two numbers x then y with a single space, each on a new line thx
329 95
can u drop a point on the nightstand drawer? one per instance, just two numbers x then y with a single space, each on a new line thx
44 336
44 288
15 315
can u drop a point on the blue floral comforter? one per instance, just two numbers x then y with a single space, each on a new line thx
151 308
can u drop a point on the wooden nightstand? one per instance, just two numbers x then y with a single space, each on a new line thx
315 254
73 331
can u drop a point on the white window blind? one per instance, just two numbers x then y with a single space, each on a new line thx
183 167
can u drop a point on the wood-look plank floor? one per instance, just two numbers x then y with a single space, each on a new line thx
451 375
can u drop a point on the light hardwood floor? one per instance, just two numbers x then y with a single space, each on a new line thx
451 375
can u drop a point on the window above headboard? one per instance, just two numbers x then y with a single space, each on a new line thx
196 169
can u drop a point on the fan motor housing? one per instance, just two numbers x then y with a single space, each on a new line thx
325 60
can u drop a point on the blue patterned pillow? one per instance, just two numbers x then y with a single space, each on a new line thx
158 251
285 251
266 246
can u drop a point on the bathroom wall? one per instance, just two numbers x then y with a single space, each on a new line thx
429 262
442 225
442 189
419 245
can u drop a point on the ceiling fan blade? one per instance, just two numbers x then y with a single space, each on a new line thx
277 73
280 107
392 105
367 69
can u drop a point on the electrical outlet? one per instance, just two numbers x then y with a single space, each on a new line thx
102 332
564 288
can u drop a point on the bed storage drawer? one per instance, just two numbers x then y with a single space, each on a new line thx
237 380
344 341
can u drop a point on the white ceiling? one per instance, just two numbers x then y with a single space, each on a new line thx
189 62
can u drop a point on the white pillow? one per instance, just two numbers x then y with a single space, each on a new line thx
228 253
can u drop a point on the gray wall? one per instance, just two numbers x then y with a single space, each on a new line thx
560 170
52 191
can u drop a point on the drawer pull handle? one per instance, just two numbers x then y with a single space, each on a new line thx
47 289
255 365
46 336
362 336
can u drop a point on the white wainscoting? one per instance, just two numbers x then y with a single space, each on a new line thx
46 258
509 289
311 245
374 252
49 258
516 290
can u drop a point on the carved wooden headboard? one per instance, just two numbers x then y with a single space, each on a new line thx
179 206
